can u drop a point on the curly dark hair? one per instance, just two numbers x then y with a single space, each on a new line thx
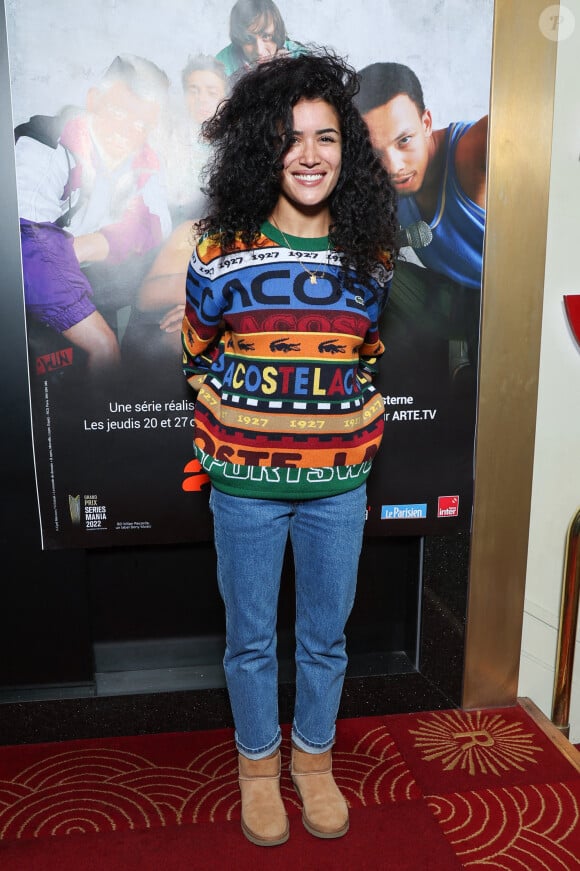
251 132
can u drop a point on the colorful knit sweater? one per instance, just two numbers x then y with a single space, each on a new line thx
286 408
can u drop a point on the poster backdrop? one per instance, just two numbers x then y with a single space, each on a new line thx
107 99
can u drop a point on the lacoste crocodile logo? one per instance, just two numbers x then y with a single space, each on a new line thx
284 345
331 346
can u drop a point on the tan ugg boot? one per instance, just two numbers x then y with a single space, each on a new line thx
324 809
264 820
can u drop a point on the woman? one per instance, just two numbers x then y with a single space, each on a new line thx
284 292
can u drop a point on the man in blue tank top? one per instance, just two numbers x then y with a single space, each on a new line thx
440 176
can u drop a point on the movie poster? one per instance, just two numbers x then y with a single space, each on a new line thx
108 100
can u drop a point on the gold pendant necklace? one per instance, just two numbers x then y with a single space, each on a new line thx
313 275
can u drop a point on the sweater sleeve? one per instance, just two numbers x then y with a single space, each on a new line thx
371 353
202 327
373 348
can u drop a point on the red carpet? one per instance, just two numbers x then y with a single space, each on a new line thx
437 791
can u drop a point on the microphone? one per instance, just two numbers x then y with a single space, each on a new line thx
416 235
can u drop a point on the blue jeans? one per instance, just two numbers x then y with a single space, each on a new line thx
250 538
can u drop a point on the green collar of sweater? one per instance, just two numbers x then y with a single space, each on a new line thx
296 243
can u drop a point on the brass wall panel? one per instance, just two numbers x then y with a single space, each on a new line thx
522 97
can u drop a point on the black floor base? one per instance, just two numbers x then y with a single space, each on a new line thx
64 719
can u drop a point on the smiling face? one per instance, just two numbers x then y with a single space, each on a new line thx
401 136
313 161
